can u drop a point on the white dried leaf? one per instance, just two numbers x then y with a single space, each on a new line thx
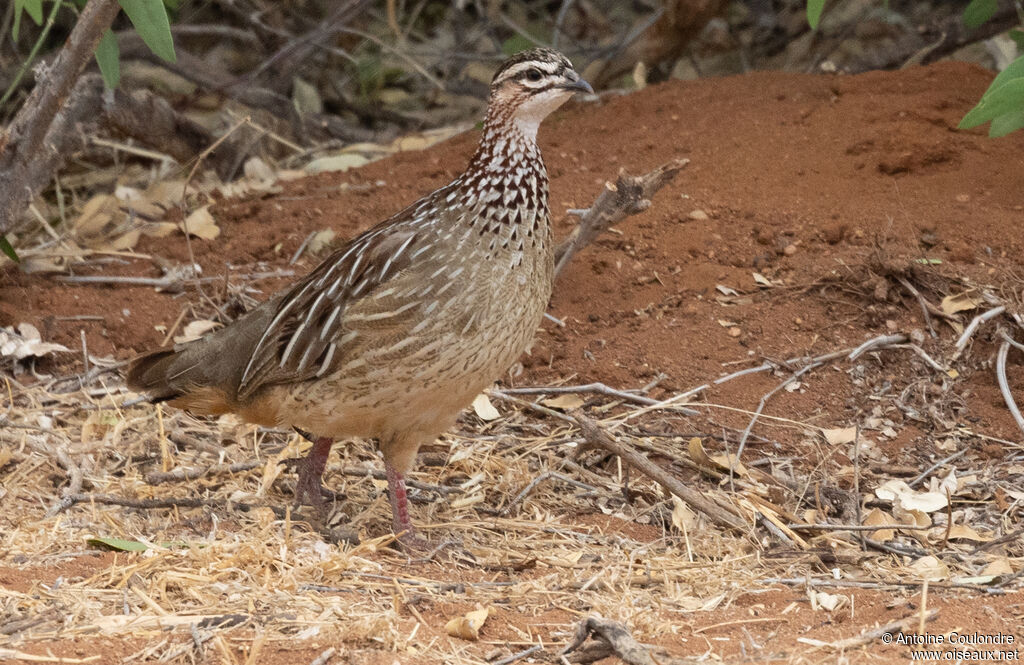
827 601
930 568
195 330
683 517
336 163
258 170
320 240
484 409
840 435
900 493
26 342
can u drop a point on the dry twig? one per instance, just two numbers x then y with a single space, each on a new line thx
612 639
1004 384
630 195
35 144
598 438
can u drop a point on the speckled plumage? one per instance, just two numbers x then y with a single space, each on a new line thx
391 336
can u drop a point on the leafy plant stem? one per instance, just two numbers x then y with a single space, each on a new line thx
50 20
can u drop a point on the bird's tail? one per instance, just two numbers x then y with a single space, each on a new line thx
163 375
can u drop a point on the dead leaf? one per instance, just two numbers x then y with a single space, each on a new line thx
200 223
879 518
999 566
195 330
25 343
961 302
762 280
726 290
930 568
320 241
258 170
97 425
468 626
840 435
166 193
826 601
899 492
718 462
964 532
158 229
565 402
484 409
683 517
342 162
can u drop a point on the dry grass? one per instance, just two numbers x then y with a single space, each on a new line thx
548 537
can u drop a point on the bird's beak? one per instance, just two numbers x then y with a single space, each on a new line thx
579 85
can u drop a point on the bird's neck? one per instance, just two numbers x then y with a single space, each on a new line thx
507 143
506 185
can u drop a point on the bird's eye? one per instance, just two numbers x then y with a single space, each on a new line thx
533 74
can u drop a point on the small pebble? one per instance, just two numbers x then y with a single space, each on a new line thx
698 215
790 250
735 332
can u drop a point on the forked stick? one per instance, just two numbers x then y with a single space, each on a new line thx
630 195
598 438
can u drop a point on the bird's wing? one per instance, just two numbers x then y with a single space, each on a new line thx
302 340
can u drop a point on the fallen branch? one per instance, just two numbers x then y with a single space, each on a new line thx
764 401
173 282
172 502
630 195
598 438
519 655
1004 384
973 326
612 639
186 473
36 142
537 481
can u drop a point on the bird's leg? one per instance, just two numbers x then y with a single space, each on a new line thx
309 489
400 522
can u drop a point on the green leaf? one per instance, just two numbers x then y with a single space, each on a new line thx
118 544
1004 124
814 9
1014 70
1007 98
979 11
33 8
5 247
1018 36
515 44
150 18
108 58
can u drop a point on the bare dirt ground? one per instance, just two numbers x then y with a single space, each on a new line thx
838 192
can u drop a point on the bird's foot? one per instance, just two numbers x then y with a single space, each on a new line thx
309 488
309 491
412 543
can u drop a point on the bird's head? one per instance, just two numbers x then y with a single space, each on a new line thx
531 84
